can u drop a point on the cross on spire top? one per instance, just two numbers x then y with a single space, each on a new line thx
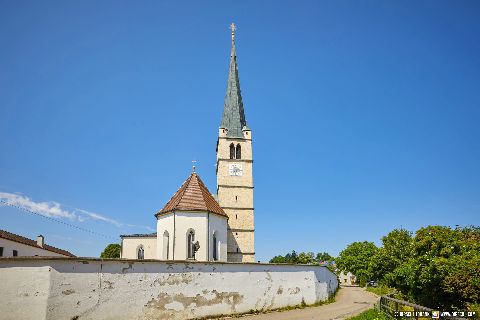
233 27
193 166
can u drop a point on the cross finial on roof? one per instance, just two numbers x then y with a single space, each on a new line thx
193 167
233 27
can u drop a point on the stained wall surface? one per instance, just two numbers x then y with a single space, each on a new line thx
62 288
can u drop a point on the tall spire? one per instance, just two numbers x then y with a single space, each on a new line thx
233 117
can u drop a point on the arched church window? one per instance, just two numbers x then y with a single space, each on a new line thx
166 240
191 244
215 247
238 152
141 253
232 151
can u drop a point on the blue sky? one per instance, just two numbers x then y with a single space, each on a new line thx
365 115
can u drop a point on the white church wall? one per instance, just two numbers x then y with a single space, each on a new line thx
185 221
165 222
63 288
218 225
24 250
130 247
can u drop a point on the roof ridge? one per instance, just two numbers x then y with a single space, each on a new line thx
193 195
186 183
206 195
184 186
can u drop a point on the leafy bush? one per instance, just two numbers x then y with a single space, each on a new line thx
439 267
302 258
357 258
111 251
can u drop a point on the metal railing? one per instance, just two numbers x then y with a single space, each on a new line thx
400 309
392 307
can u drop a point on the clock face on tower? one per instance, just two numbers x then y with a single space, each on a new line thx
235 169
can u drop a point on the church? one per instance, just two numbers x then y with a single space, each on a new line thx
196 224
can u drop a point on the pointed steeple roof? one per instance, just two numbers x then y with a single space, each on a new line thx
233 117
193 195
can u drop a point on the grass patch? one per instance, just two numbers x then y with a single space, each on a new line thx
381 290
370 314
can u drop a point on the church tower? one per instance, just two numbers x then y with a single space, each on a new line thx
234 169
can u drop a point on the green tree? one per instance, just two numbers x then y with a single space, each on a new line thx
439 267
278 259
291 257
306 258
294 258
397 248
111 251
443 269
324 256
357 258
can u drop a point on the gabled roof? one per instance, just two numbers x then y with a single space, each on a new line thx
193 195
16 238
233 117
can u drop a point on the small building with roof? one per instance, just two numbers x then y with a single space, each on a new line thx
14 245
191 226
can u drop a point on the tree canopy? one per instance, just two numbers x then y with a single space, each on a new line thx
302 258
357 258
438 267
111 251
442 268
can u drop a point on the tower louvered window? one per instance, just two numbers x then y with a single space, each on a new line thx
235 151
238 152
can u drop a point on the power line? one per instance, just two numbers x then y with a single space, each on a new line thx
56 220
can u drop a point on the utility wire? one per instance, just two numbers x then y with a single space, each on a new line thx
56 220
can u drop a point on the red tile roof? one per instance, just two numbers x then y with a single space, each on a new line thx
193 195
16 238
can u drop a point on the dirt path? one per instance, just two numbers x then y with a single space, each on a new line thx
350 301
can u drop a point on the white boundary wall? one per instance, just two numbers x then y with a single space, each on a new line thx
77 288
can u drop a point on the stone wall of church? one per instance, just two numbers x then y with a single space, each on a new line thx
224 177
243 240
62 288
235 196
240 219
223 151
